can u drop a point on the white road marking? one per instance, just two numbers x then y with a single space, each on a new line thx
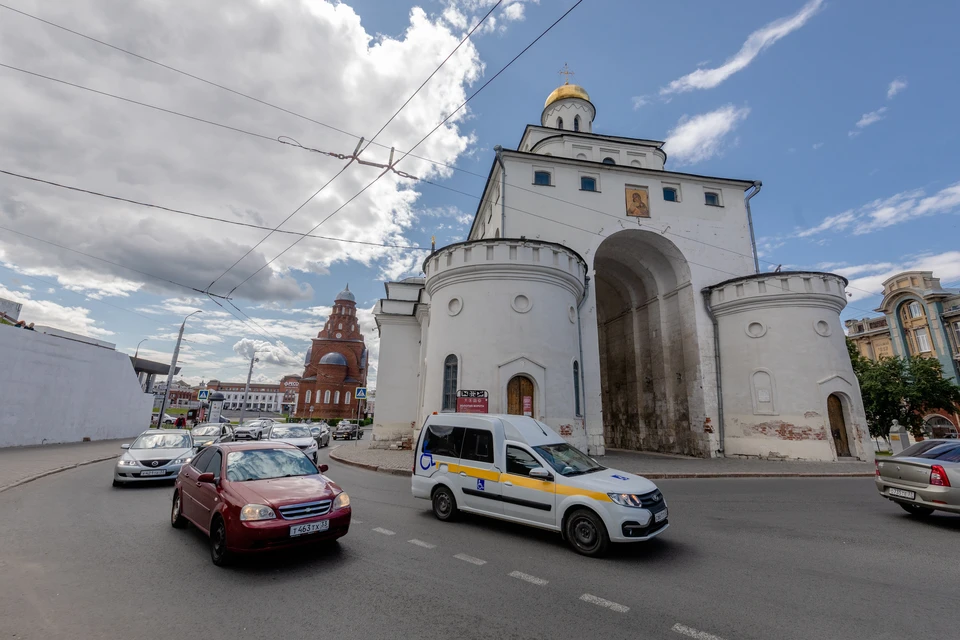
470 559
693 633
385 532
421 543
355 521
613 606
528 578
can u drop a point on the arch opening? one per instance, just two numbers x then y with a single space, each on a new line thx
649 355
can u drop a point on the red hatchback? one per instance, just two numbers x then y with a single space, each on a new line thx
256 496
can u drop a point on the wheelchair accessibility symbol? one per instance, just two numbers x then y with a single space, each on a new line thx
426 460
480 484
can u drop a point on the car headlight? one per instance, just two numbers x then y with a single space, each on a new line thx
626 499
312 446
125 462
257 512
183 460
342 500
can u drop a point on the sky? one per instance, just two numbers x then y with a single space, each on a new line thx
845 110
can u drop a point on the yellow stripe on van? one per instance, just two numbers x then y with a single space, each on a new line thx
525 482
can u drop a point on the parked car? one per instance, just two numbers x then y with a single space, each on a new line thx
252 429
295 434
154 455
923 478
167 419
257 496
320 433
519 469
347 430
207 433
225 419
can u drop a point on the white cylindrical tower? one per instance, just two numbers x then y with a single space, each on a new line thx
569 108
503 319
789 390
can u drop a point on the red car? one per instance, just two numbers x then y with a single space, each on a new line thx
257 496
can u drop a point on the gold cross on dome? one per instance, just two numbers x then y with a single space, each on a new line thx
566 72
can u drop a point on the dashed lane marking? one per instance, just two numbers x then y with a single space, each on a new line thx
421 543
470 559
355 521
600 602
385 532
694 633
528 578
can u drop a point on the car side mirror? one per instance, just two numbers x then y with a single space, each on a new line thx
540 472
125 446
323 468
206 477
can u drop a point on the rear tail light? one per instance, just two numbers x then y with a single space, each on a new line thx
938 476
876 467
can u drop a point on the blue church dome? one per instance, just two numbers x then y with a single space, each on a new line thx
306 359
346 294
333 358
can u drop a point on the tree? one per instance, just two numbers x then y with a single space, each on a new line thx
903 390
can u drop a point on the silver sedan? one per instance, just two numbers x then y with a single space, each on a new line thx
923 478
157 454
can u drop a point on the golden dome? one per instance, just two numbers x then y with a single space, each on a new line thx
566 91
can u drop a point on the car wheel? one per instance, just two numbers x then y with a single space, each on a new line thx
444 504
586 533
916 510
177 521
219 553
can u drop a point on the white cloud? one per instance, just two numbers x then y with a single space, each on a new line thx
945 266
639 101
896 87
756 42
51 314
268 353
700 137
886 212
868 119
26 287
817 145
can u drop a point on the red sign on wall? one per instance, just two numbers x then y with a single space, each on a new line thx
528 405
472 401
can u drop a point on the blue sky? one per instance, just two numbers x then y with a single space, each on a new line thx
845 110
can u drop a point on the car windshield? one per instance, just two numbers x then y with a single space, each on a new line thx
289 432
263 464
206 431
567 460
162 441
946 452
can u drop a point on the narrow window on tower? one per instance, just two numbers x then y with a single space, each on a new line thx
576 388
576 123
450 366
336 397
326 397
559 123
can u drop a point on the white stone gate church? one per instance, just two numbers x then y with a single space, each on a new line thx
619 302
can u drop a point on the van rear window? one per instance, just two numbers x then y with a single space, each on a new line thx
443 441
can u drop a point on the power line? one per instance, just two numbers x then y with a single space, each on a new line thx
356 153
431 132
200 216
244 322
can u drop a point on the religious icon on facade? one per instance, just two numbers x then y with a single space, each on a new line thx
638 202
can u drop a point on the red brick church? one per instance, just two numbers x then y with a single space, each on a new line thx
336 364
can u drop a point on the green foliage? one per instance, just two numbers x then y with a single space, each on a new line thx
902 389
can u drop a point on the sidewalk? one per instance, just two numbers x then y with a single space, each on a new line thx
650 465
19 465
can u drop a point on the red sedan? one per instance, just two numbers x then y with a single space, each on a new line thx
256 496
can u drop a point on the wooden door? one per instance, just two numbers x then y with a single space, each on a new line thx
520 396
838 426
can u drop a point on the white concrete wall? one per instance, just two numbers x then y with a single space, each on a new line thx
397 376
475 315
783 352
58 390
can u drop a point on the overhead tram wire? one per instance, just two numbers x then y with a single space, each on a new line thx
261 332
354 157
431 132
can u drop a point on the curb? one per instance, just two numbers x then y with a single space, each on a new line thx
53 471
369 467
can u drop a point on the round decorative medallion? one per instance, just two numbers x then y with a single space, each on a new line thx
521 303
339 335
572 314
756 329
455 306
822 327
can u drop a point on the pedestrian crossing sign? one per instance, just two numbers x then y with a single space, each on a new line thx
203 394
361 393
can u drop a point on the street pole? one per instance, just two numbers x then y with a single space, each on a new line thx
136 360
246 390
173 367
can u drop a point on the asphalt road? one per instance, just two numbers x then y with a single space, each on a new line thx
743 559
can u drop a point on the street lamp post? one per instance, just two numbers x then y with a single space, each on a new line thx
136 362
246 389
173 367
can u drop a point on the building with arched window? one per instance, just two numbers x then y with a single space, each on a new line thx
616 333
335 365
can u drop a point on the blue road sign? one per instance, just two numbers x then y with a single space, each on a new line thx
361 393
203 394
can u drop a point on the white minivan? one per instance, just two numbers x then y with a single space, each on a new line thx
517 468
